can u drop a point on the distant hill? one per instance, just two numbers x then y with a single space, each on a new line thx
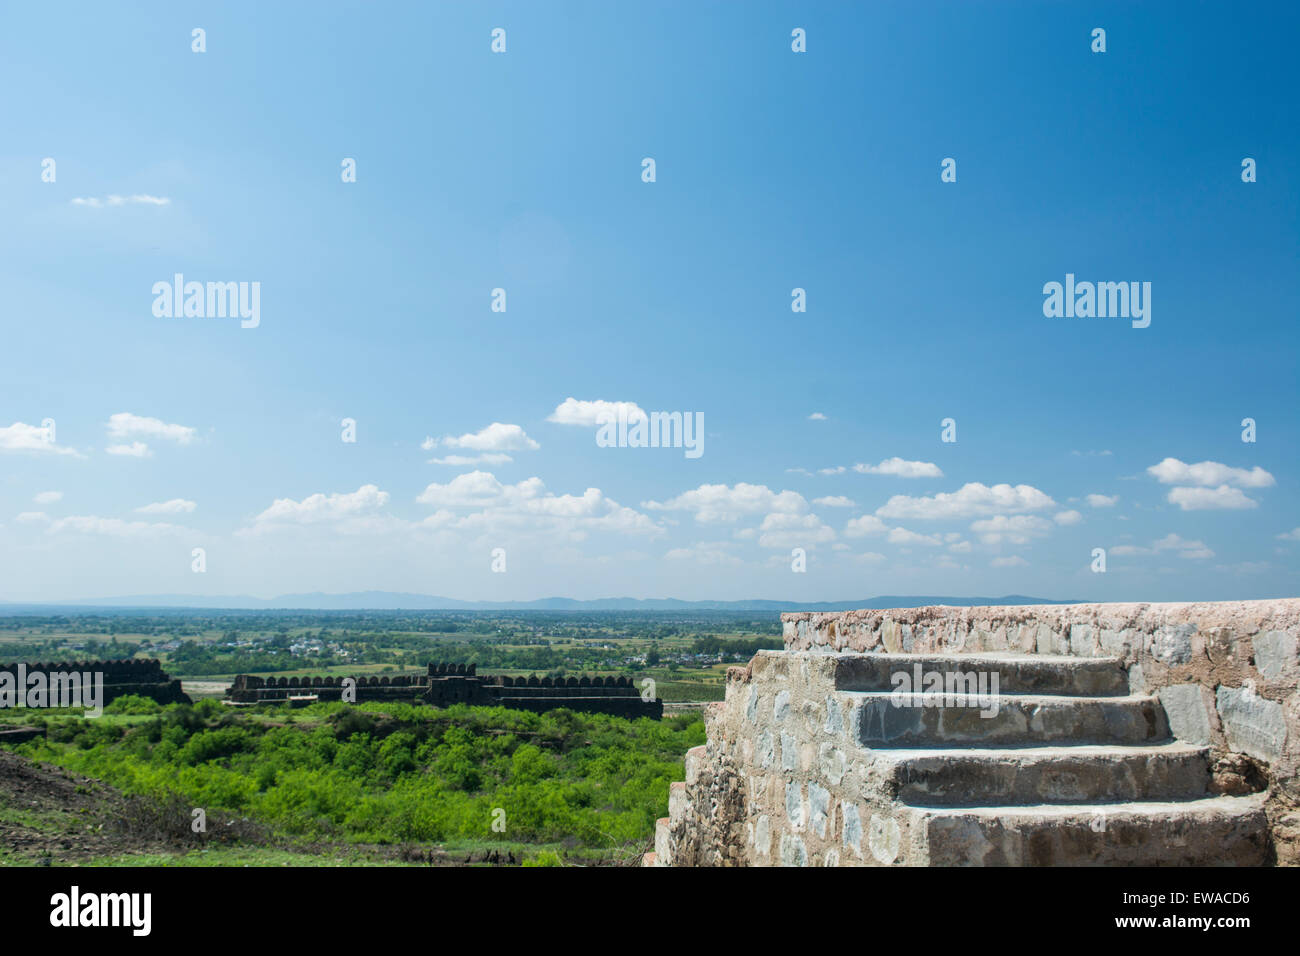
396 601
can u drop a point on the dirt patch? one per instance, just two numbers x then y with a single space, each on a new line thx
48 814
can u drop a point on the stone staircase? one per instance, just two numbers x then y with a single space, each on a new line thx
1069 768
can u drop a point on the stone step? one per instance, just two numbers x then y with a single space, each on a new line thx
1016 673
1216 831
951 777
663 849
677 801
1012 720
696 758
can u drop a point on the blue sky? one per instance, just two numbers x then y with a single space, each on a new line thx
775 170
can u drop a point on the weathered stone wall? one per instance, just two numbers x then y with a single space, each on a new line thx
447 684
141 676
783 779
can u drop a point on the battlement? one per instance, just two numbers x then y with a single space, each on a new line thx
141 676
126 669
445 684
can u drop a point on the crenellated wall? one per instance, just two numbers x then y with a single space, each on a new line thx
446 684
785 779
141 676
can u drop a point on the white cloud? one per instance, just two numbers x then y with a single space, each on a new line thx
322 508
720 503
706 552
973 499
1012 561
1211 499
901 469
902 536
571 411
1017 529
865 557
137 449
495 437
834 501
478 489
47 497
1068 517
1170 542
816 417
113 527
1292 535
175 506
784 530
1101 501
1185 548
32 516
139 199
125 425
961 547
23 437
526 506
1171 471
462 461
837 470
864 526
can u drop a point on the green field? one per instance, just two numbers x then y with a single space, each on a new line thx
379 783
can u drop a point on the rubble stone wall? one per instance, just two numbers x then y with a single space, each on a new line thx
781 779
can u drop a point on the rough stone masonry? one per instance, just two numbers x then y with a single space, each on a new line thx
1126 734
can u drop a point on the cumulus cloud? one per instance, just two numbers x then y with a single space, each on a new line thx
47 497
527 505
1070 517
901 469
113 527
863 557
571 411
1101 501
1292 535
137 449
972 500
1170 542
1171 471
1011 561
834 501
816 417
30 517
1223 497
785 530
1016 529
463 461
724 503
864 526
902 536
124 425
175 506
478 489
321 508
23 437
497 437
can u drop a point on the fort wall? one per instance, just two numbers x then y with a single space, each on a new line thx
789 775
143 677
